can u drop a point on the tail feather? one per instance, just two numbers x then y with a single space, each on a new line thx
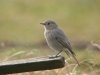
67 53
76 59
73 55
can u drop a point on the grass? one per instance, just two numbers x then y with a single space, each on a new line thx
20 23
89 61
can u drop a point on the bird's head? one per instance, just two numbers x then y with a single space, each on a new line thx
49 24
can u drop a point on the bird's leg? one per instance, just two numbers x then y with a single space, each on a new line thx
58 53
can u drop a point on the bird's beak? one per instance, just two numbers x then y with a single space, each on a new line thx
42 23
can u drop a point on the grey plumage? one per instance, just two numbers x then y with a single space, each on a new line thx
56 39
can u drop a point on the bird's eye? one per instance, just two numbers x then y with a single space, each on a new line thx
48 23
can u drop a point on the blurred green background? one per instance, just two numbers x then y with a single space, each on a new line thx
21 35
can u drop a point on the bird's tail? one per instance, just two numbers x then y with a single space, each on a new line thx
75 59
73 55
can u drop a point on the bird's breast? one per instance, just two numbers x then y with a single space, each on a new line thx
51 41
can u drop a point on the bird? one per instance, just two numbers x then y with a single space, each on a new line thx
57 40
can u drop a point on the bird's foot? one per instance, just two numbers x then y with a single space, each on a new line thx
54 56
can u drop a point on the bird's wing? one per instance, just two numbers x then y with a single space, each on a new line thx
63 40
64 44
